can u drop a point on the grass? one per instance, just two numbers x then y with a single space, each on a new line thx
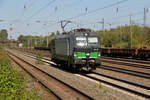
12 84
100 86
105 91
97 86
39 58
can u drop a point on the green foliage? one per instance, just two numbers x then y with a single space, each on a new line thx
57 33
12 86
120 37
32 41
100 85
95 86
39 58
3 34
105 91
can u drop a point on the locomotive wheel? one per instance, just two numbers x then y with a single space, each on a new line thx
73 68
68 65
59 65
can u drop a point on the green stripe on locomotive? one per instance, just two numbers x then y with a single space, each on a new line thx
94 55
83 55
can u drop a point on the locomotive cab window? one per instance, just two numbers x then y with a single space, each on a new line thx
81 41
92 40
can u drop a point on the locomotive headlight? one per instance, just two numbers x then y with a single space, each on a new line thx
75 54
99 54
87 54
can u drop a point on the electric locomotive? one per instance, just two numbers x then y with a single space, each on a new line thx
77 50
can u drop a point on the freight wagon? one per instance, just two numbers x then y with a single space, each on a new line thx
42 48
143 53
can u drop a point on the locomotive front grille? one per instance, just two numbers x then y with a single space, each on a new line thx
86 55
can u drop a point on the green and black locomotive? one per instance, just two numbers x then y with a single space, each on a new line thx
77 50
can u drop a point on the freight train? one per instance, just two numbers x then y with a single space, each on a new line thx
143 53
42 48
77 50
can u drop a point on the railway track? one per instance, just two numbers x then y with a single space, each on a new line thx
61 90
134 88
121 84
127 60
121 70
136 65
126 71
130 67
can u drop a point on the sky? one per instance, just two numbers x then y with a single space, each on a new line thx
41 17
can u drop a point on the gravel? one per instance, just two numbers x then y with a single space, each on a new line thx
96 90
135 79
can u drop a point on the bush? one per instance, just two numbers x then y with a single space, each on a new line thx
12 85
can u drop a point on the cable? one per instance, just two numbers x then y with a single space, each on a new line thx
32 3
108 6
118 17
111 5
41 9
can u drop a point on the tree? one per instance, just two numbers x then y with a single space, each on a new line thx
3 34
120 37
21 38
57 33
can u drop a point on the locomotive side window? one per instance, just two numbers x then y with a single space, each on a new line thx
81 41
92 40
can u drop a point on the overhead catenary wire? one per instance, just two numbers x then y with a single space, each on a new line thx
32 3
41 9
55 22
118 17
27 7
93 11
108 22
107 6
122 16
